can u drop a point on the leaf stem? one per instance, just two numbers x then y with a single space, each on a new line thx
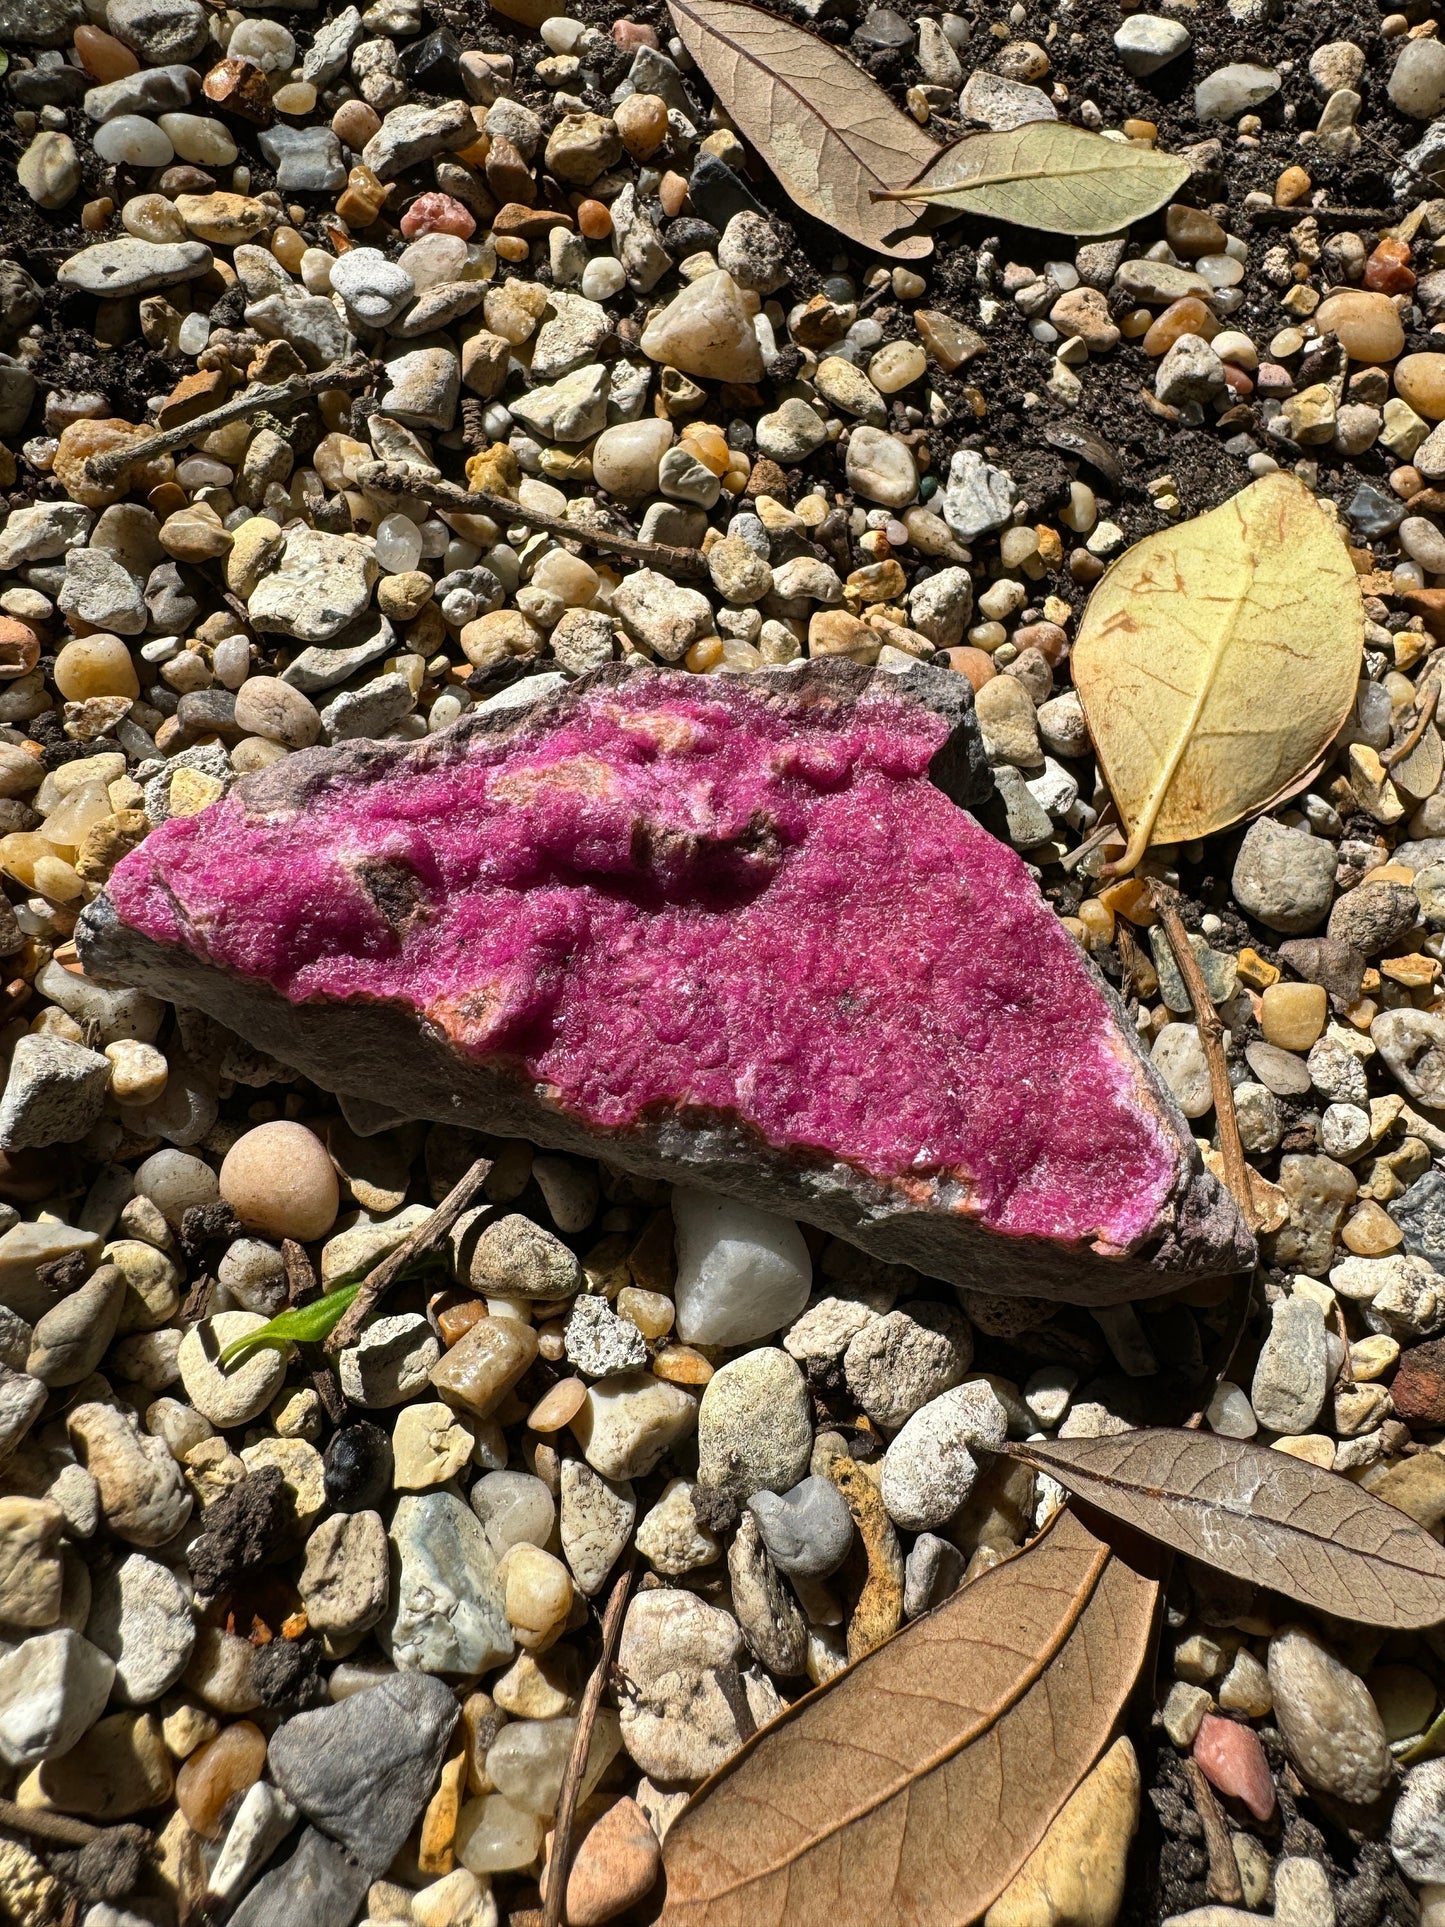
1429 1742
1211 1036
1393 757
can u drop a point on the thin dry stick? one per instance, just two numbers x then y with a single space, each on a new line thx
1211 1035
1224 1883
300 1272
103 469
560 1862
380 1279
483 501
58 1828
1392 758
1098 835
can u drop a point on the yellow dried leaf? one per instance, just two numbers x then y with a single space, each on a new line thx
1048 175
1217 661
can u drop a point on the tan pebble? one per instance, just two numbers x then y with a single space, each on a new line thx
439 1822
280 1181
682 1365
1292 1016
651 1312
615 1866
212 1777
1368 325
538 1590
1371 1232
484 1364
1313 1447
879 1610
139 1071
1420 381
98 665
120 1768
558 1406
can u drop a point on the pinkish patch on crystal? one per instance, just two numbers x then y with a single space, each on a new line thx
703 905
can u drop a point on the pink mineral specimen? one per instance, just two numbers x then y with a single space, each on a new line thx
726 930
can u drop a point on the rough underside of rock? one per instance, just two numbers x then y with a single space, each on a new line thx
738 933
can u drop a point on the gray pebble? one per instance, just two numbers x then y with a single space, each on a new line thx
807 1531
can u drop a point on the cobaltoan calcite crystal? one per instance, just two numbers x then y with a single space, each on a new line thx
737 932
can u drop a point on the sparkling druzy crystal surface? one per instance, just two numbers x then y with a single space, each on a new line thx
659 905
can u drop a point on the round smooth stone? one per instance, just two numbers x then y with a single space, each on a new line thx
1420 380
1220 270
279 1180
625 458
1368 325
602 277
895 366
199 139
135 141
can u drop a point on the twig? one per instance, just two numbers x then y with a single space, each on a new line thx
103 469
1100 834
1397 754
443 494
196 1300
380 1279
328 1390
560 1862
41 1824
300 1273
1224 1883
1211 1036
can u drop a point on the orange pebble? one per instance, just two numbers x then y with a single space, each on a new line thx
973 663
104 57
1189 316
1388 269
594 220
672 192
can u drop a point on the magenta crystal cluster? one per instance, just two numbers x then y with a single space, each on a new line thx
662 898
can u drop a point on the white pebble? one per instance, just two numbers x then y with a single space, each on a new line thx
741 1273
137 142
603 275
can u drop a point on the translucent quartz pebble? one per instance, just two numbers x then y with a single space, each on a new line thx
398 544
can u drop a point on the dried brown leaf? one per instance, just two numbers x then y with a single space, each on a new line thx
910 1790
1259 1515
829 133
1217 660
